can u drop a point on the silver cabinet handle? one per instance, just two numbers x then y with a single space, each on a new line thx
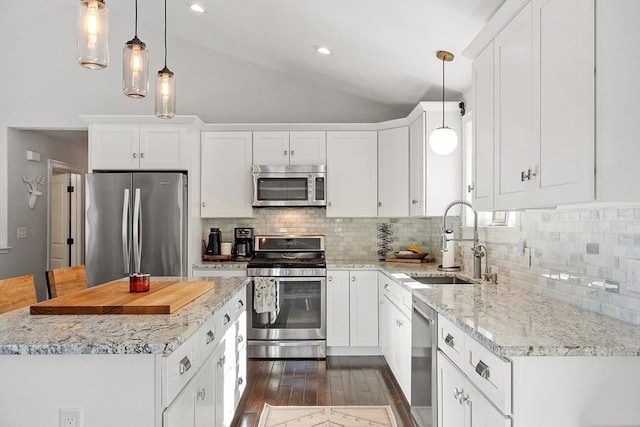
386 287
292 152
482 369
353 278
204 204
142 155
285 152
456 393
240 339
135 155
226 319
379 204
414 202
201 394
240 380
210 336
450 341
400 323
330 278
185 365
470 188
240 303
222 360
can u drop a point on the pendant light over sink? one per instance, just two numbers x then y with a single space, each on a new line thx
135 65
93 34
444 139
165 83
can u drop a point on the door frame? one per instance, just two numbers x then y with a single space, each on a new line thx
58 166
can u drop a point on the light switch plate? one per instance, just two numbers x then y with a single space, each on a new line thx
22 233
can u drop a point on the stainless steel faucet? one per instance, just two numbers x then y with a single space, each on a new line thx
478 251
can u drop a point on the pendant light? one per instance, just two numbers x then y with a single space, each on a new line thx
135 66
165 83
93 34
444 139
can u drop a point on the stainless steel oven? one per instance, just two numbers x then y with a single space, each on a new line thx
287 298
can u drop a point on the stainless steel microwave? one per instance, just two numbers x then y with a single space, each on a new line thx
294 185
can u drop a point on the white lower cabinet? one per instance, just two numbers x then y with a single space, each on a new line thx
352 314
460 403
395 331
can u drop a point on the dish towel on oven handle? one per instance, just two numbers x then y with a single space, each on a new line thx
264 295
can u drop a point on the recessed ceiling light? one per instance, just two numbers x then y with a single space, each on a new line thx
323 50
196 7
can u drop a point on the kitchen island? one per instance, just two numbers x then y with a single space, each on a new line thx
125 370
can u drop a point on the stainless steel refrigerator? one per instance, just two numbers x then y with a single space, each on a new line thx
135 223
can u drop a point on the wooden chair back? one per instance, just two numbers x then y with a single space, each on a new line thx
66 280
17 292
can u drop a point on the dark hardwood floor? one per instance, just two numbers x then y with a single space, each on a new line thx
338 380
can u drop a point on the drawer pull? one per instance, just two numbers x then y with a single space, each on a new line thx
185 365
386 287
450 341
240 339
226 319
222 360
210 336
240 304
201 394
240 381
482 369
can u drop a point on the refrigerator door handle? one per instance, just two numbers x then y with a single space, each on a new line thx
125 231
137 235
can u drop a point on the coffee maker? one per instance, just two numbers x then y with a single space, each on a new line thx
244 243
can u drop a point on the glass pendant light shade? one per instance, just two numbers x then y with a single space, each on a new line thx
443 140
93 34
165 94
135 69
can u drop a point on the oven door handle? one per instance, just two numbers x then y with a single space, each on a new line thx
321 279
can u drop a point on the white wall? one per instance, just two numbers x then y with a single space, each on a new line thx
29 256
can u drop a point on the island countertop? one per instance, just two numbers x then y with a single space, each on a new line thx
23 333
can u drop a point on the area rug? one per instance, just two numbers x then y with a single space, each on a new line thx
326 416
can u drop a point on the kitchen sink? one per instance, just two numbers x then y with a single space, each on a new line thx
442 280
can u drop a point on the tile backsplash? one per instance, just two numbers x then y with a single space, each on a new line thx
578 256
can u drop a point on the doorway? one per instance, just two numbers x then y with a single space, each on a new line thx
65 213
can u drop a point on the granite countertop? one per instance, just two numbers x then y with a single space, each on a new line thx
23 333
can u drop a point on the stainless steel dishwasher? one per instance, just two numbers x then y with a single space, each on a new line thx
424 345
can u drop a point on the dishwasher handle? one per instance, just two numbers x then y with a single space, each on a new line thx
423 314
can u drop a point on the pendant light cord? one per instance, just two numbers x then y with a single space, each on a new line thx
442 91
136 24
165 33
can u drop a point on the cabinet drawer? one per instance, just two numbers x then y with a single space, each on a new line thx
208 338
178 368
400 296
238 304
490 373
451 340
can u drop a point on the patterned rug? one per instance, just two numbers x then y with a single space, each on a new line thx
326 416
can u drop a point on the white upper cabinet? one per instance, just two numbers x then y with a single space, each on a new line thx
434 180
513 112
393 172
543 109
352 186
225 183
482 146
564 104
132 146
289 148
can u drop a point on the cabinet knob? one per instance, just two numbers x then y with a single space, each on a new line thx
330 278
221 360
414 202
142 155
240 303
353 278
240 339
379 204
240 381
135 155
285 152
226 319
292 152
204 204
210 336
470 188
201 394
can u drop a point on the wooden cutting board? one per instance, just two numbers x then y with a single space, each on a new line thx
164 297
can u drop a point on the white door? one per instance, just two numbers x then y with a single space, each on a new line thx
225 180
393 172
417 165
352 185
483 120
337 308
451 408
271 148
76 218
308 148
60 224
513 112
363 311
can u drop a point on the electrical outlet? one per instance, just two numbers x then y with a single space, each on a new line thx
22 233
633 275
70 417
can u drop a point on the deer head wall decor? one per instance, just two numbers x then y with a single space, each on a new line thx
33 189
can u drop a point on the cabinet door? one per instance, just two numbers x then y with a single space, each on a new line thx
219 396
181 412
480 411
513 112
352 186
393 172
205 396
337 308
451 382
564 108
271 148
363 311
114 147
483 119
417 162
405 355
308 148
226 186
164 147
